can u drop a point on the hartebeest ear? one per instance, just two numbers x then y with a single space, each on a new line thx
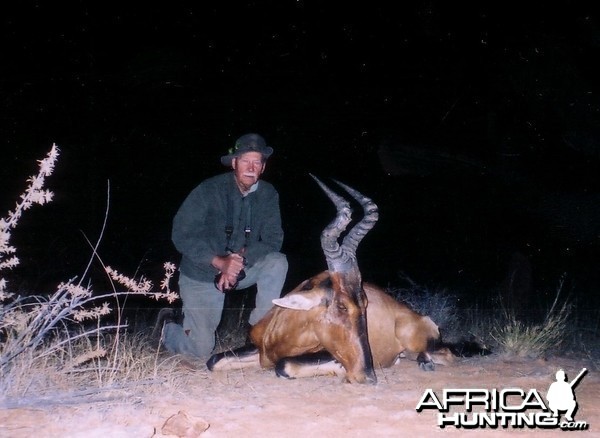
298 301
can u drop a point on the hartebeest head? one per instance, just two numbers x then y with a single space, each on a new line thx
339 302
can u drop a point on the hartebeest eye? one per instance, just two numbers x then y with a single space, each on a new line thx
341 307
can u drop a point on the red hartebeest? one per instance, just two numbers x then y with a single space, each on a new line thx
332 323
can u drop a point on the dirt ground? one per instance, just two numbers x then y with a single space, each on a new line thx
255 403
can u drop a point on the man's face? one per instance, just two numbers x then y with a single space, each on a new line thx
247 169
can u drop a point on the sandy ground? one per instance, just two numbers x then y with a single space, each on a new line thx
255 403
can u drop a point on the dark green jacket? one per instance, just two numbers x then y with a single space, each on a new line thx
199 225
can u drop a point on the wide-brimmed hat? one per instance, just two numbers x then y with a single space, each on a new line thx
247 143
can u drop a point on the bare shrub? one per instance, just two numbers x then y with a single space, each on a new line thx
47 339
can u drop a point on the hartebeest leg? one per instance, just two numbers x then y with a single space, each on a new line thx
309 365
243 357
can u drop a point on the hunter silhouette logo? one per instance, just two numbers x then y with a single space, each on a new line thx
561 395
509 407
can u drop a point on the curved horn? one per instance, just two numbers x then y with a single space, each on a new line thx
368 221
331 233
343 258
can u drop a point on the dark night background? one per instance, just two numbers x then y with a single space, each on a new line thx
476 129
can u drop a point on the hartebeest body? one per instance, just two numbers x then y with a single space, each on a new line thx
298 326
332 320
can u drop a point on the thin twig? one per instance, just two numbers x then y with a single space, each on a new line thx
95 247
561 282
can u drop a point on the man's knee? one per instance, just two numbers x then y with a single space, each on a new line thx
277 261
276 257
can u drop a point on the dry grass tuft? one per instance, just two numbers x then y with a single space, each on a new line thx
526 339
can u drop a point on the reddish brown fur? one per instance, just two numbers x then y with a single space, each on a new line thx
334 325
393 328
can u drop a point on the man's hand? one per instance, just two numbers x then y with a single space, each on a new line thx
230 267
226 282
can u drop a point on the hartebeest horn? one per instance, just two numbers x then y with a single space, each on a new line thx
343 258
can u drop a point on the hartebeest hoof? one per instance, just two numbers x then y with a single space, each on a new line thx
281 371
425 362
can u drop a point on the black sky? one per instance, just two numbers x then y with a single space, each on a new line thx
149 97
